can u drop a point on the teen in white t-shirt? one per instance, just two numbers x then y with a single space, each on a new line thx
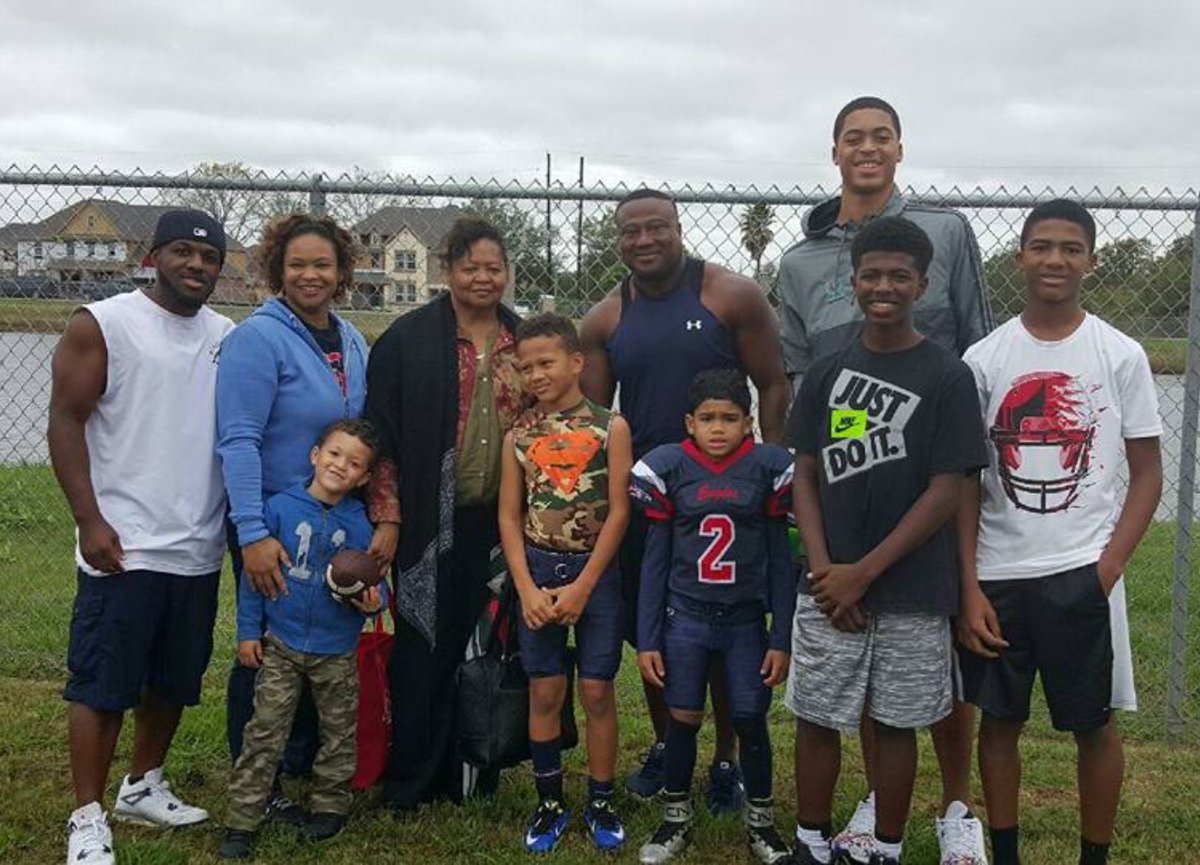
1066 398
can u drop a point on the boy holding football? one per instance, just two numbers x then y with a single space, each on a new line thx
308 634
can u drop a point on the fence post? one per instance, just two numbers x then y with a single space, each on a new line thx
1177 683
316 196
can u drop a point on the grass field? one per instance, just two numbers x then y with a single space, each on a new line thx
1167 356
1159 822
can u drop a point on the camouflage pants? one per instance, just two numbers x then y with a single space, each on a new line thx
333 680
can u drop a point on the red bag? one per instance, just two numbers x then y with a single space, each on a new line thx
374 706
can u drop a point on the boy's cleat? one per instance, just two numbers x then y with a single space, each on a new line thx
878 858
726 794
767 846
150 802
960 837
285 812
646 781
856 843
604 825
765 843
546 826
323 825
89 840
667 842
672 835
237 844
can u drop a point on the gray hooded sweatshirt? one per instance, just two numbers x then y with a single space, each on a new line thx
818 311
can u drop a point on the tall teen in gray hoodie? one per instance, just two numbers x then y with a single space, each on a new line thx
817 310
818 316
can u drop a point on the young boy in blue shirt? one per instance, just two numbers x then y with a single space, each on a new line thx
306 635
717 562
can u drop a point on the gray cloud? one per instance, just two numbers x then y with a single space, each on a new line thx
1035 93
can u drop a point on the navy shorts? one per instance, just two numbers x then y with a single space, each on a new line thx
695 635
140 631
1056 626
597 633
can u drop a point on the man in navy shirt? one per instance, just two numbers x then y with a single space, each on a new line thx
672 317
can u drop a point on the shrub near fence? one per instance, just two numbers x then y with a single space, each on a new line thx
71 236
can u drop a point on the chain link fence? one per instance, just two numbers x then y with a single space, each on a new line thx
71 236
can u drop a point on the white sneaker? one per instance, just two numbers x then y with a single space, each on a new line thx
150 802
960 837
857 840
89 841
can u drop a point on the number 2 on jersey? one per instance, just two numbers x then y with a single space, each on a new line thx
712 568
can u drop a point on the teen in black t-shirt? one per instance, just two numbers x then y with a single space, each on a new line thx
884 432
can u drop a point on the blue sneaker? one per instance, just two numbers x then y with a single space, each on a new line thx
604 825
546 826
648 780
726 795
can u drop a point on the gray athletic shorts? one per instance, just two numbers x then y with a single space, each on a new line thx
901 666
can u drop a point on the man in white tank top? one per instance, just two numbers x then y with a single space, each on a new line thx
132 440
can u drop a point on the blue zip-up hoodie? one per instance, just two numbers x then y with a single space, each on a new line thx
308 619
276 393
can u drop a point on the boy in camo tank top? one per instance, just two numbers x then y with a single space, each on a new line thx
563 508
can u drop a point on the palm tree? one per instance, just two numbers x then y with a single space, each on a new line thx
757 232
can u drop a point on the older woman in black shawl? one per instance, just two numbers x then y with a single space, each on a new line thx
443 389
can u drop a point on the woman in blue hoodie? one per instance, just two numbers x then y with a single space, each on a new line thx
287 372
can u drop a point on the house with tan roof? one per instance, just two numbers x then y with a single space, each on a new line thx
97 241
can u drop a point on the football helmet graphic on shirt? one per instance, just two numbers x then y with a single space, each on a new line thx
1043 433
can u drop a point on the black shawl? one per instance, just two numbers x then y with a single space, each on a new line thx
412 399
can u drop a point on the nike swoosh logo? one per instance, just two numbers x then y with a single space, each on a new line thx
845 424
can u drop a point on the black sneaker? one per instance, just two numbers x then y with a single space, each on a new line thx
878 858
726 794
237 844
323 825
282 810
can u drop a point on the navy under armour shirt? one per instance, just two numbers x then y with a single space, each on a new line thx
658 346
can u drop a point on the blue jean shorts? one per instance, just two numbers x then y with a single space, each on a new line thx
137 631
597 633
695 635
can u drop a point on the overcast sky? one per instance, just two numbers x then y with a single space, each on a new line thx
1092 93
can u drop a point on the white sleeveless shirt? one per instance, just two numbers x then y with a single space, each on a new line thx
152 436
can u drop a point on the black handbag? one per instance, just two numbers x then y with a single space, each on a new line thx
492 708
493 691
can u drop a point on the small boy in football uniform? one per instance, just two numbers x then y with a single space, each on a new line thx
564 505
718 561
306 635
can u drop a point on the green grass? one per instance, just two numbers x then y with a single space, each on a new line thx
1158 823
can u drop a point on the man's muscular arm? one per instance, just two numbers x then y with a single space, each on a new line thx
79 372
742 307
597 381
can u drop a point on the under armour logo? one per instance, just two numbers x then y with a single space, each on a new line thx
693 325
200 232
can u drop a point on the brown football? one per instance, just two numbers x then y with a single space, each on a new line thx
351 573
